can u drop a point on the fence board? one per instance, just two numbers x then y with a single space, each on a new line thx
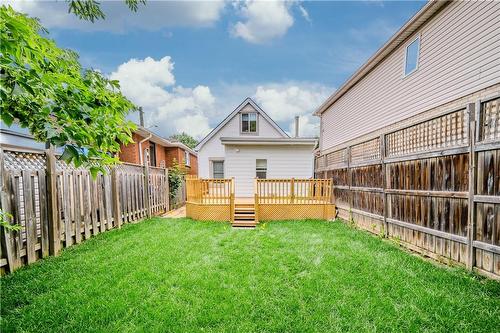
77 206
427 169
59 205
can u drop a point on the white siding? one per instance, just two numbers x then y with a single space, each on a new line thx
459 55
282 162
214 149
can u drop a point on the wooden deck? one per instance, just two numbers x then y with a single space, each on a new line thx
274 199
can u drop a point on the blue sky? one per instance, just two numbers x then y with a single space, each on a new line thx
195 61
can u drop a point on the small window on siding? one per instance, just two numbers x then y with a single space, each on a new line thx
249 122
261 169
411 57
218 169
187 159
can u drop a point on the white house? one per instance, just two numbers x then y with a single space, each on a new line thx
249 144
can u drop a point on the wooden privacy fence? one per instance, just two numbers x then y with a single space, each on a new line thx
435 185
281 199
58 205
209 199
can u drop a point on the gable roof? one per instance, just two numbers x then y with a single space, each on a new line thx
247 101
419 19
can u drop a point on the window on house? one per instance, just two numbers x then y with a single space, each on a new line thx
152 154
411 57
187 159
249 122
218 169
261 169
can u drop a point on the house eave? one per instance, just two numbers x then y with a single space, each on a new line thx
223 123
144 132
419 19
268 141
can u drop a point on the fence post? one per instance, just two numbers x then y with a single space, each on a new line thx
349 182
146 184
256 200
52 212
9 245
117 215
471 223
384 183
167 192
292 190
231 200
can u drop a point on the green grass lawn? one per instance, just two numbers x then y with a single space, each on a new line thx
183 276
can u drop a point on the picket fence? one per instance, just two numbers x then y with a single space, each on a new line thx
58 205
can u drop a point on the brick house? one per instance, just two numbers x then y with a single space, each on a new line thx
162 152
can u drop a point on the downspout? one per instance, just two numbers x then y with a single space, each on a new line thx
140 147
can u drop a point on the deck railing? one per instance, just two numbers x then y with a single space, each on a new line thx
293 191
210 199
210 191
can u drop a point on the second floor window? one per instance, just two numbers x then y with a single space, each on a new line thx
249 122
187 159
411 56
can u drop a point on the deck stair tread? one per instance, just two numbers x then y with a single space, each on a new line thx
244 224
244 215
251 209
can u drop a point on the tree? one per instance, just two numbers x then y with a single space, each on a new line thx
90 10
176 174
185 138
45 89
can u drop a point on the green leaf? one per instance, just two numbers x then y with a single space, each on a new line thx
45 89
69 154
50 131
94 171
7 118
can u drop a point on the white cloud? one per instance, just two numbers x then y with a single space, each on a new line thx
263 20
196 125
172 108
285 101
152 16
150 83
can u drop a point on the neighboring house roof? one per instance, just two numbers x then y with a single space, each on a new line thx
144 132
247 101
14 138
267 141
419 19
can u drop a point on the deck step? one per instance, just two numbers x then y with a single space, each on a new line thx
245 217
237 208
246 223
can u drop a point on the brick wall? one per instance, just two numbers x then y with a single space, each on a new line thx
130 154
194 165
173 153
178 154
160 156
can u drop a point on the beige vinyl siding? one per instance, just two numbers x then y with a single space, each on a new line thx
458 56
